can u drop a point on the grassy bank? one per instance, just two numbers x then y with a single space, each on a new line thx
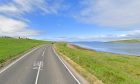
110 68
11 47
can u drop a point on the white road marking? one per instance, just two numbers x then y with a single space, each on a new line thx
35 68
67 67
44 52
38 72
5 68
42 64
37 64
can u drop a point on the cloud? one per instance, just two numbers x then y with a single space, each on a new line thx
112 13
12 15
135 34
14 28
21 7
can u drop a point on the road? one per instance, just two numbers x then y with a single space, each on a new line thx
40 66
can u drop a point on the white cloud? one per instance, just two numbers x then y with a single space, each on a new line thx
14 28
135 34
12 20
20 7
8 8
114 13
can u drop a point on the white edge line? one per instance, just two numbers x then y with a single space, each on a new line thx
38 72
14 62
67 67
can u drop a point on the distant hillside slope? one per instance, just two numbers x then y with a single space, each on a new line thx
11 47
128 41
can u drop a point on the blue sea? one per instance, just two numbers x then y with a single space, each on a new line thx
113 47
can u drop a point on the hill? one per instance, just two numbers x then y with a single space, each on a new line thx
128 41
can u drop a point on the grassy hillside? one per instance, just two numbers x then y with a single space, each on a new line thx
128 41
11 47
110 68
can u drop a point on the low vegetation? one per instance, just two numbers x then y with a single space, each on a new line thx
109 68
128 41
11 47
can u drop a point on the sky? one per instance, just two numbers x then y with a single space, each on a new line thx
71 20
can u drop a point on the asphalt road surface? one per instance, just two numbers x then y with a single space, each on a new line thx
39 66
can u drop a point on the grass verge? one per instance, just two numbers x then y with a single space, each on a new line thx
11 48
109 68
88 76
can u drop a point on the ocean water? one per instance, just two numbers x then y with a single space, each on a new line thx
119 48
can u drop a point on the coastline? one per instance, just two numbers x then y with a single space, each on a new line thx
107 67
84 48
90 78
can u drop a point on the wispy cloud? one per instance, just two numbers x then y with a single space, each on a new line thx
21 7
112 13
12 20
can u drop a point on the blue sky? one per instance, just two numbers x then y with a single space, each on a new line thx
71 20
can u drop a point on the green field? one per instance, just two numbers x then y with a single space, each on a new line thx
110 68
11 47
127 41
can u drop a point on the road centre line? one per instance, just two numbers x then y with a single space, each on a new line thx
44 51
38 72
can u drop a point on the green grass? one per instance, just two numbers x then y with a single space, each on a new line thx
110 68
128 41
11 47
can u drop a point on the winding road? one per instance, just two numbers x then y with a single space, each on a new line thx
39 66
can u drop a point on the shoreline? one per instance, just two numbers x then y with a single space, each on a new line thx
90 78
84 48
107 67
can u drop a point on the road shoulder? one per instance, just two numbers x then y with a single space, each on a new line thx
75 73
